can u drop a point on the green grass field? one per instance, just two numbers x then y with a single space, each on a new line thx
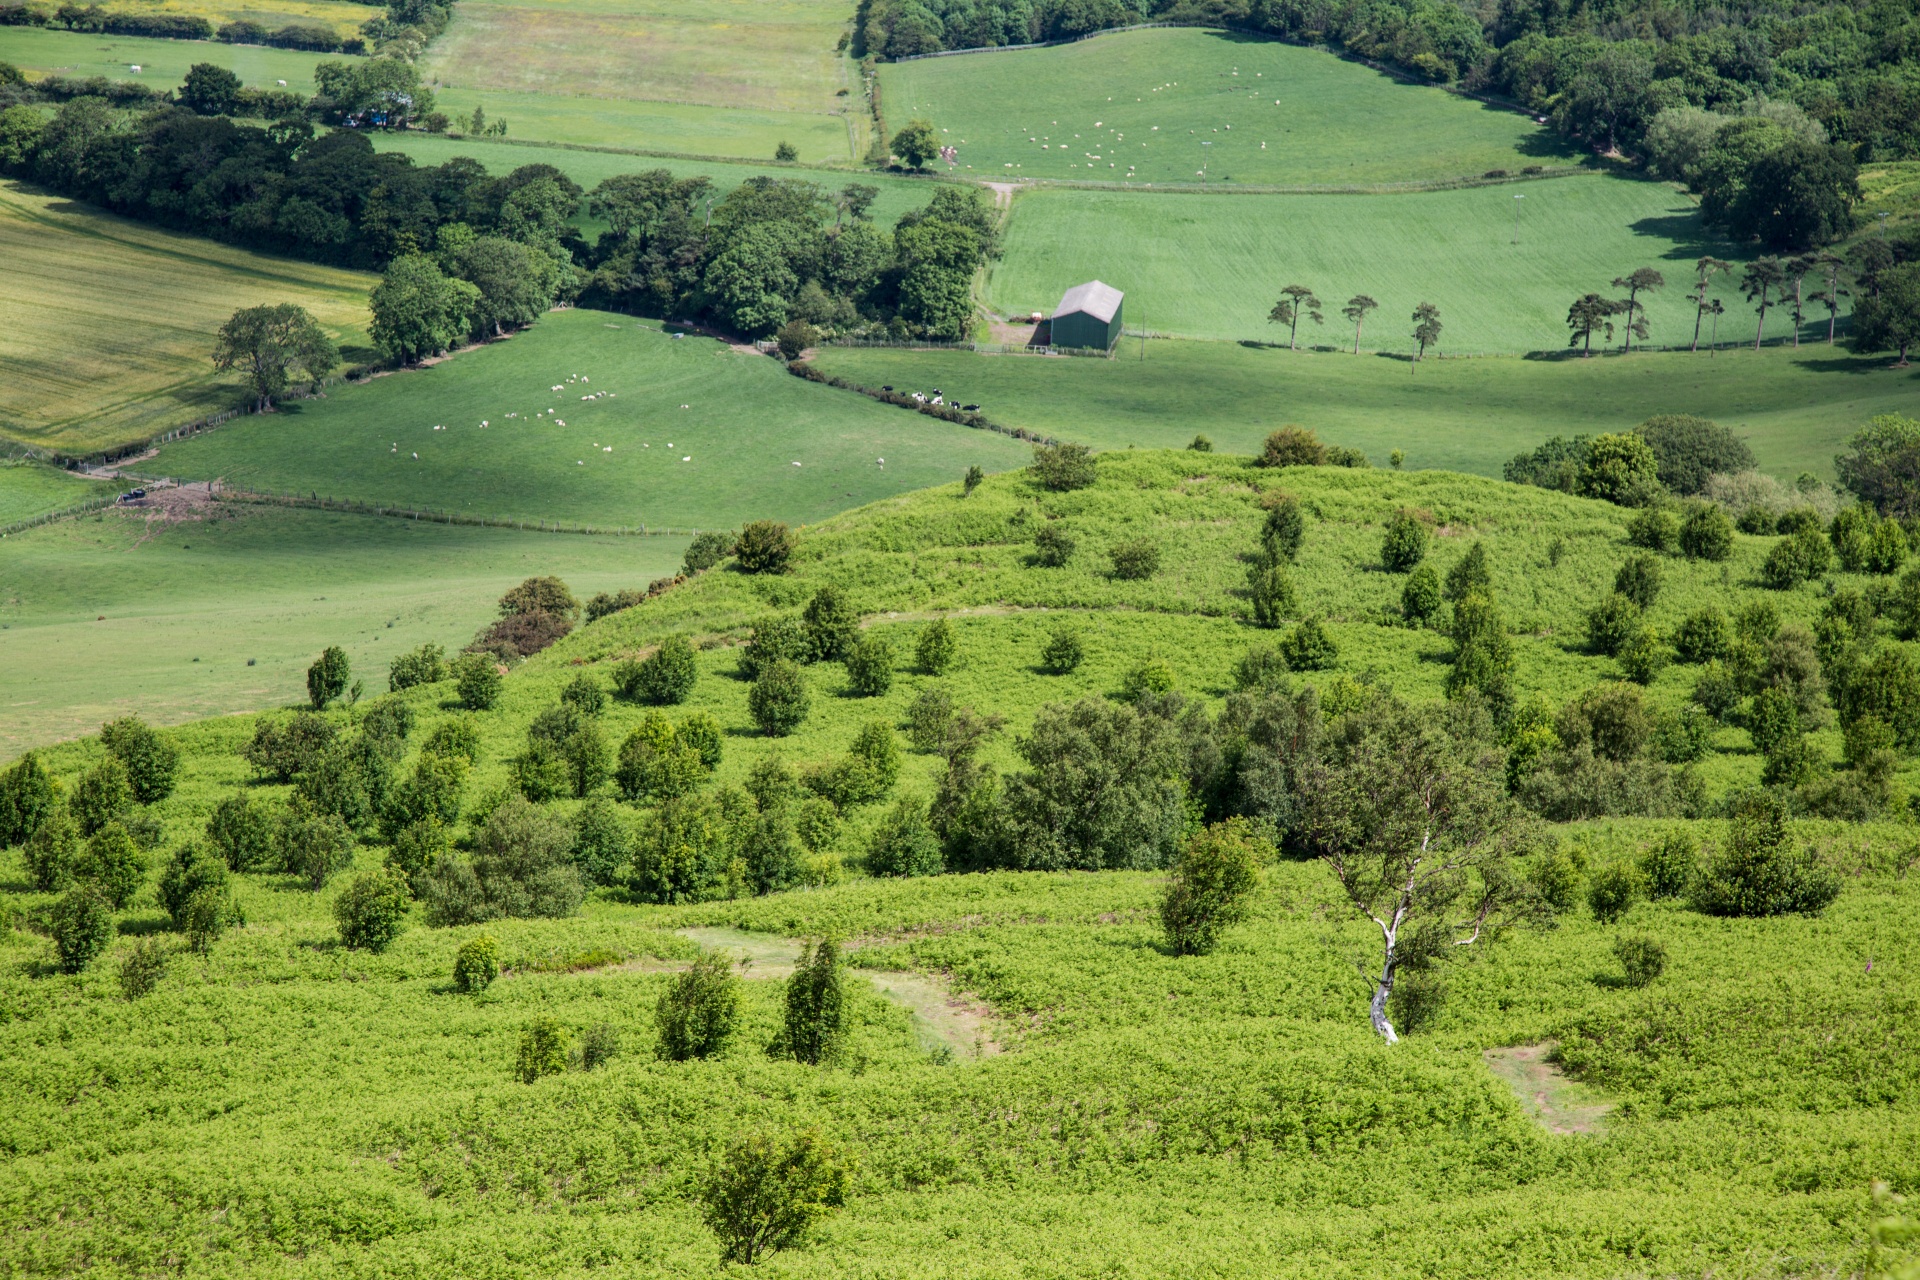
106 324
1794 408
188 605
1160 106
284 1104
29 489
734 78
163 63
617 461
1211 266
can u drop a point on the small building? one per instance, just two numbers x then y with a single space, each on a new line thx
1088 316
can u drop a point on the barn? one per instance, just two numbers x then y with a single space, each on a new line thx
1088 316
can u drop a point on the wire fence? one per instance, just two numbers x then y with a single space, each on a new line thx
355 506
64 513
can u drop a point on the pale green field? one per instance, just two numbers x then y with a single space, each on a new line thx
1211 266
28 489
654 126
1160 106
163 63
187 605
343 16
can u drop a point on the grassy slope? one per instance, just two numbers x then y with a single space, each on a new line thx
1229 1116
106 324
1290 116
187 606
1210 266
163 63
654 126
749 422
1794 408
28 489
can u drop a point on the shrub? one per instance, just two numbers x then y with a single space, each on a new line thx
416 849
1687 450
1706 533
1052 547
655 765
772 640
705 551
666 677
1482 652
477 681
81 924
1773 719
1757 520
1667 868
190 871
430 794
605 605
1284 530
50 852
1886 688
1064 467
1270 588
1611 623
1620 469
599 1046
815 1024
543 1051
763 1196
1292 446
1213 876
972 480
313 846
372 911
1642 657
142 968
700 733
151 760
928 717
778 700
1405 544
767 851
699 1013
1417 999
832 624
1135 559
102 795
903 844
1152 677
584 694
540 595
817 823
870 666
1684 736
209 912
1642 958
27 799
1639 580
1420 598
113 864
1308 647
1612 718
282 752
1260 667
1471 574
476 964
937 647
1063 652
521 635
522 867
1756 874
765 546
1799 557
1704 636
327 677
1613 890
1556 878
1655 528
425 665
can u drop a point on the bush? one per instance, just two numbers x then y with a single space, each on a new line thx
81 925
870 666
1613 890
1420 598
1063 652
1687 450
1200 444
1704 636
1756 520
655 765
1405 544
1655 528
1135 559
1052 547
113 864
1642 657
190 871
1667 869
1417 999
1482 653
772 640
700 733
1308 647
151 760
209 912
540 595
1292 446
1284 530
476 964
699 1013
666 677
372 911
142 968
705 551
832 624
282 752
1756 873
928 717
778 700
425 665
937 647
904 844
1620 469
1642 958
1773 720
27 799
1639 580
313 846
1684 736
599 1046
102 795
815 1024
1149 678
478 681
327 677
521 635
972 480
1213 876
605 605
543 1051
1612 623
1612 718
796 335
584 694
522 867
1556 878
1064 467
1886 688
1706 533
1270 589
1799 557
1471 575
430 794
762 1196
765 546
1717 691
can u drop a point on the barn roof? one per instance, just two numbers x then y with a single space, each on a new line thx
1098 300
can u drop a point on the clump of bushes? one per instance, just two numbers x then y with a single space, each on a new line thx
372 911
1292 446
1064 467
1212 879
699 1013
425 665
81 923
1757 872
476 964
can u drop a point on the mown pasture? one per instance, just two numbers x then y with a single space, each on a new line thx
163 63
1211 266
1794 408
29 489
636 457
717 61
112 614
1228 1115
1161 106
653 126
106 325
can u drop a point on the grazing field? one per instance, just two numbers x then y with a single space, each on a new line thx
636 458
1211 266
163 63
106 325
1135 1111
1794 408
214 616
28 489
746 76
1161 106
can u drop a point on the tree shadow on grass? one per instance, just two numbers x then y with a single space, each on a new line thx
1690 236
1857 365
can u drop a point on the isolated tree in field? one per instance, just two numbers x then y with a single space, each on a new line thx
1295 299
1426 328
698 1014
765 1195
1830 266
917 144
327 677
210 90
816 999
1762 276
1798 268
1590 313
1704 271
272 346
1716 309
1890 319
1642 280
1356 310
1415 823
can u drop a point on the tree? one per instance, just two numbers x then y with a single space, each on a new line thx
766 1195
1590 313
1621 469
1611 97
778 699
210 90
1213 876
27 799
1284 529
82 925
1882 466
1292 446
1356 310
1414 821
513 283
113 864
1641 280
373 909
419 311
700 1011
151 760
1064 467
1704 270
1889 319
1797 195
904 844
1426 328
1761 277
765 546
832 624
816 1006
971 480
1757 873
1296 299
272 345
917 144
327 677
1687 450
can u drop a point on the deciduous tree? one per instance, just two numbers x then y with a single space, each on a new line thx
272 346
1295 301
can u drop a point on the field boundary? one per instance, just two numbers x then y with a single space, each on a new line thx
605 149
1303 189
946 413
354 506
64 513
